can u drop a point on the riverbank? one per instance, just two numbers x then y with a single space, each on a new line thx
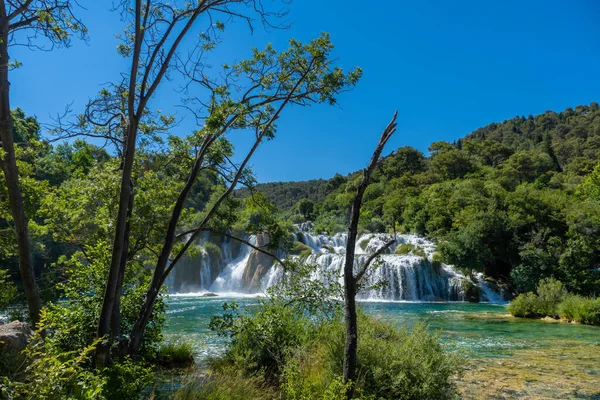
506 357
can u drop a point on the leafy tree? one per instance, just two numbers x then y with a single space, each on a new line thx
405 160
22 23
306 208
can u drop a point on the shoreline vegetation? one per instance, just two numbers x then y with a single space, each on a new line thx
553 302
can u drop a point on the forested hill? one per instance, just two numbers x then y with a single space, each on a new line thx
519 200
285 195
570 137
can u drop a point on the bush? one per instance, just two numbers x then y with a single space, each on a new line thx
550 293
260 342
126 380
401 364
52 373
580 309
525 305
214 253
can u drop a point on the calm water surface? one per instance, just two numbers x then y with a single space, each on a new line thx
475 330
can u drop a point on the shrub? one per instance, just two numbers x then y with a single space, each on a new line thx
580 309
260 342
550 292
126 380
401 364
51 373
392 364
436 259
419 251
525 305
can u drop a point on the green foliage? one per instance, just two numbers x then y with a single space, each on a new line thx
408 248
402 364
552 300
295 341
226 384
214 253
260 343
584 310
404 248
52 373
550 294
175 352
300 249
524 305
127 380
306 208
8 290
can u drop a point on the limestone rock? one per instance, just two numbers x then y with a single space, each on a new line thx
258 264
14 336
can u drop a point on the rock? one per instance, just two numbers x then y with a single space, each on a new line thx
258 264
14 336
472 292
210 294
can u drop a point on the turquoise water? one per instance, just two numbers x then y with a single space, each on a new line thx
475 330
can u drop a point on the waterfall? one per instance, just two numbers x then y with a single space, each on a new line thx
395 277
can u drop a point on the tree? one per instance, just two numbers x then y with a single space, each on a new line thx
405 160
306 208
351 281
54 21
302 75
151 43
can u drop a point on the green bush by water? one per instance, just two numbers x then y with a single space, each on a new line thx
552 300
584 310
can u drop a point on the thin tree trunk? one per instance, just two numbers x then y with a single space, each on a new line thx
350 280
115 324
8 163
103 350
137 332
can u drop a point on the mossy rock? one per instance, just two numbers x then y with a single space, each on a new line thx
328 248
363 244
472 292
300 249
404 249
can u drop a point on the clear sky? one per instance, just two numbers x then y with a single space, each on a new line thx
447 67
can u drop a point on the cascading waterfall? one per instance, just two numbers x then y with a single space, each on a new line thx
405 277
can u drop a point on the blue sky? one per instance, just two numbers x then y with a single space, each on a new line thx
447 67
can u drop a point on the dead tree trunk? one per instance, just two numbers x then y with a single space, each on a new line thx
8 164
350 280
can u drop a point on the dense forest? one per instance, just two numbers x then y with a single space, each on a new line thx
517 200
